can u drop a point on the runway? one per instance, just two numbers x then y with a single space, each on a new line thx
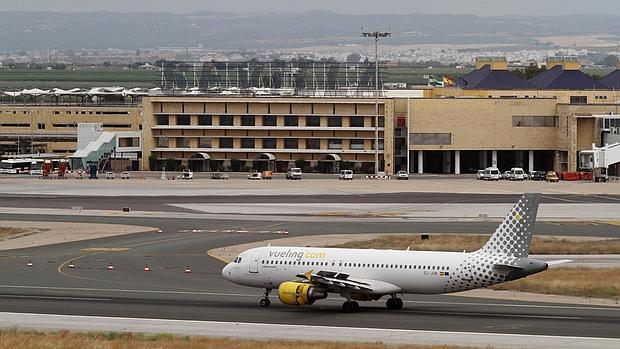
167 292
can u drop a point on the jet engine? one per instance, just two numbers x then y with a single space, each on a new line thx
299 293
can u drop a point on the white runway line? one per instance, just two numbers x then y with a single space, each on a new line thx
297 332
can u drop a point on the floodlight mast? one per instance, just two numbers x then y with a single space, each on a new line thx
376 35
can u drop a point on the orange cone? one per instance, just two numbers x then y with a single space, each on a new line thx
110 267
29 264
146 268
187 270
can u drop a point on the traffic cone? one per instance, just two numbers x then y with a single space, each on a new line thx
285 231
71 265
160 230
146 268
29 264
187 270
110 267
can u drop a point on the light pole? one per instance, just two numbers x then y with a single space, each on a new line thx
376 35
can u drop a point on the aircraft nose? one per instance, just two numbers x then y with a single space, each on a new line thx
227 272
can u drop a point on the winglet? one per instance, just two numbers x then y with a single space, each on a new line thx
307 275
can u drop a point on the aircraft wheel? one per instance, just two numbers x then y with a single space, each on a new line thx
394 303
265 302
350 306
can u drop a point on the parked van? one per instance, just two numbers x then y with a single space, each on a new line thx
293 173
492 174
517 174
345 175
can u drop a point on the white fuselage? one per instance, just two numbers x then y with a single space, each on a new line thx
410 271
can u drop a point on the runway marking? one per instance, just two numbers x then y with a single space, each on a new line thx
249 328
498 315
223 294
58 298
105 249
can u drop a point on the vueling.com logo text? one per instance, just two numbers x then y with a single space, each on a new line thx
297 255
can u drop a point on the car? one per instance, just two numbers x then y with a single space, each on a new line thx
537 176
294 173
492 174
402 175
506 175
187 174
255 176
551 176
219 175
345 175
517 174
480 175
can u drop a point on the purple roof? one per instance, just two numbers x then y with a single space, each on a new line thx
556 78
612 80
486 78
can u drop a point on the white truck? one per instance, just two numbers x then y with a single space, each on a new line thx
294 173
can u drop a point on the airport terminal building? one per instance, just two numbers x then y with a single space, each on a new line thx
490 117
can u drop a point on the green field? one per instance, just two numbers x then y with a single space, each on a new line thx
83 78
18 79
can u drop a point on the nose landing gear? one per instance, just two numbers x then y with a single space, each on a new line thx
394 303
265 302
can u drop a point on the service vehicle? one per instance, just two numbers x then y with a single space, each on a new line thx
538 176
345 175
402 175
551 176
255 176
480 175
15 166
492 174
267 175
506 175
219 175
517 174
294 173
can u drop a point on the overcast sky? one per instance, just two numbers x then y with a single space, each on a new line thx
479 7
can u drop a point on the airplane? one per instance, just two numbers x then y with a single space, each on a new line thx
304 275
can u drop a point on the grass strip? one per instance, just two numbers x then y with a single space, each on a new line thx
471 242
15 338
581 282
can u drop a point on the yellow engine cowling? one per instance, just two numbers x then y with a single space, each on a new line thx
299 293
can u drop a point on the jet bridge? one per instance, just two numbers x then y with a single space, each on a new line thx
599 159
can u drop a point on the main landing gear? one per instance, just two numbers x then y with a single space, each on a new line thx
350 306
265 302
394 303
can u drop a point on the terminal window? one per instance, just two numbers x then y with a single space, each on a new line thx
357 121
269 143
162 142
335 144
226 120
226 142
269 120
431 138
357 144
534 121
247 120
163 120
182 142
313 121
183 120
291 143
291 121
247 143
335 121
204 120
204 142
313 143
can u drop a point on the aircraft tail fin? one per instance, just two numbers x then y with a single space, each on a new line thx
514 235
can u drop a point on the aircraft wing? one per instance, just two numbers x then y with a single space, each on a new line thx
339 281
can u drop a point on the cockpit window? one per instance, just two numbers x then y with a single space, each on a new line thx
237 260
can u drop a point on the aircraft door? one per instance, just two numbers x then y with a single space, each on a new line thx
254 263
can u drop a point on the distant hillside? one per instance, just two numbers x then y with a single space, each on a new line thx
100 30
